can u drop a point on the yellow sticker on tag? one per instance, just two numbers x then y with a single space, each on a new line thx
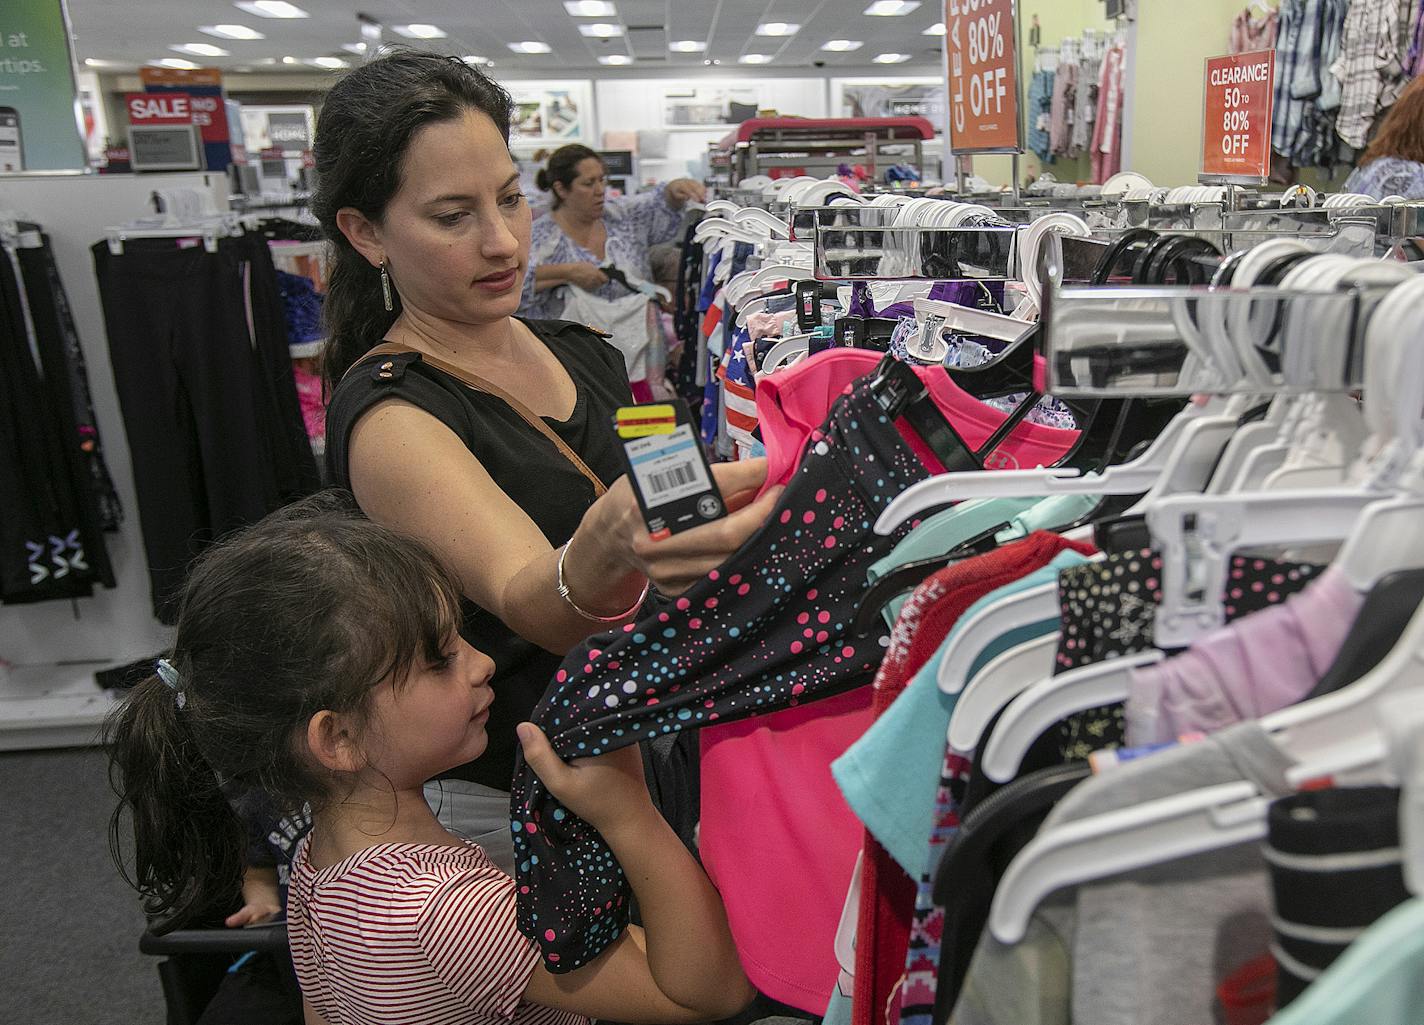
645 421
645 430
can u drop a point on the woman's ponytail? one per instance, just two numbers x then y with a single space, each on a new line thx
189 844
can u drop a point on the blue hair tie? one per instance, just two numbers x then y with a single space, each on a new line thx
169 676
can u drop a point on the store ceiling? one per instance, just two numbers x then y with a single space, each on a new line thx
116 35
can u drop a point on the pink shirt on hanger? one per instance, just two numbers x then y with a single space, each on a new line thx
777 838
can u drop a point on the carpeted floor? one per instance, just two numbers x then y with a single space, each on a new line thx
69 925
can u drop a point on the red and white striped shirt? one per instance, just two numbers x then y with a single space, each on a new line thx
412 934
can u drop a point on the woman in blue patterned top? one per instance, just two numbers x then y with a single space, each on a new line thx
1394 163
584 231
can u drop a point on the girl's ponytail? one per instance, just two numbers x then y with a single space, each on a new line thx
189 844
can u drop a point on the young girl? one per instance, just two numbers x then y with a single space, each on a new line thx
317 660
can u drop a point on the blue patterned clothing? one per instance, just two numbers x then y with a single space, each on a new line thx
1388 176
635 224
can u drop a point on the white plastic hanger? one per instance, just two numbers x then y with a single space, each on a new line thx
1128 478
762 222
1121 841
1196 564
787 352
1024 608
1006 676
1048 701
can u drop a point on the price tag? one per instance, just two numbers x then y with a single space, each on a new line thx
1236 133
980 42
667 468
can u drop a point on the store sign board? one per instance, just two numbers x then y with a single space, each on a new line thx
40 126
1236 132
981 59
204 89
159 108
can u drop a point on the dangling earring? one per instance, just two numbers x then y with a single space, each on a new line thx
386 289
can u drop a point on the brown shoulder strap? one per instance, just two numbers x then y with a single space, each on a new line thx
480 384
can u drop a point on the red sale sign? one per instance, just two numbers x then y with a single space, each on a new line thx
1236 135
159 108
980 43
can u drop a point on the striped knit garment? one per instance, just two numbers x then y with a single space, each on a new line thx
412 934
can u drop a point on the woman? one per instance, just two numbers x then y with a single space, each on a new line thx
420 198
583 231
1393 165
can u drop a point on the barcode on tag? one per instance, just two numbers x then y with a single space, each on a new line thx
667 467
677 476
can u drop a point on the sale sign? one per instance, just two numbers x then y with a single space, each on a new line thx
159 108
980 42
1236 136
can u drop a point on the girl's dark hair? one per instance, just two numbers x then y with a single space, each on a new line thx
563 169
367 122
307 610
1401 133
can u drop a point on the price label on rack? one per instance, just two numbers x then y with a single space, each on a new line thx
980 42
1236 136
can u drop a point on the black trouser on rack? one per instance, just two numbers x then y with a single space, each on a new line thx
200 360
49 547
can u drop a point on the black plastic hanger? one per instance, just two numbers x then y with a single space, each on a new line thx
1387 610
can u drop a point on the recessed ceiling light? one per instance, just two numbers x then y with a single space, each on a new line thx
601 30
201 49
176 63
419 31
841 45
472 59
687 46
754 58
590 9
271 9
616 59
937 29
356 48
94 62
231 32
891 8
331 63
777 28
290 60
530 46
890 58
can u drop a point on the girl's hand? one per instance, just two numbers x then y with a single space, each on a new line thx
681 191
605 791
261 900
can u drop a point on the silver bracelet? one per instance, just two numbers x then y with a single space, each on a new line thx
564 594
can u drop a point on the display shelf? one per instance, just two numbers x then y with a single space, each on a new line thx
46 706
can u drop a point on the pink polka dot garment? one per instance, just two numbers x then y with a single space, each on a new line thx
769 630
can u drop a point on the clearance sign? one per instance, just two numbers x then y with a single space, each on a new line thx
980 41
1236 136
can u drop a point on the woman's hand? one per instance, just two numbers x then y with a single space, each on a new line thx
586 276
681 191
615 526
604 790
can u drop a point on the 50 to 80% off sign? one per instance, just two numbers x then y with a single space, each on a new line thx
983 77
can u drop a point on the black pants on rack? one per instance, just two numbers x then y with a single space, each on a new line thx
51 546
199 351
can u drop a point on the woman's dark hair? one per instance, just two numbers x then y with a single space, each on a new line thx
307 610
1401 133
563 169
367 122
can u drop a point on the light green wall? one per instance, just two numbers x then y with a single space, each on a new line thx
1173 39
